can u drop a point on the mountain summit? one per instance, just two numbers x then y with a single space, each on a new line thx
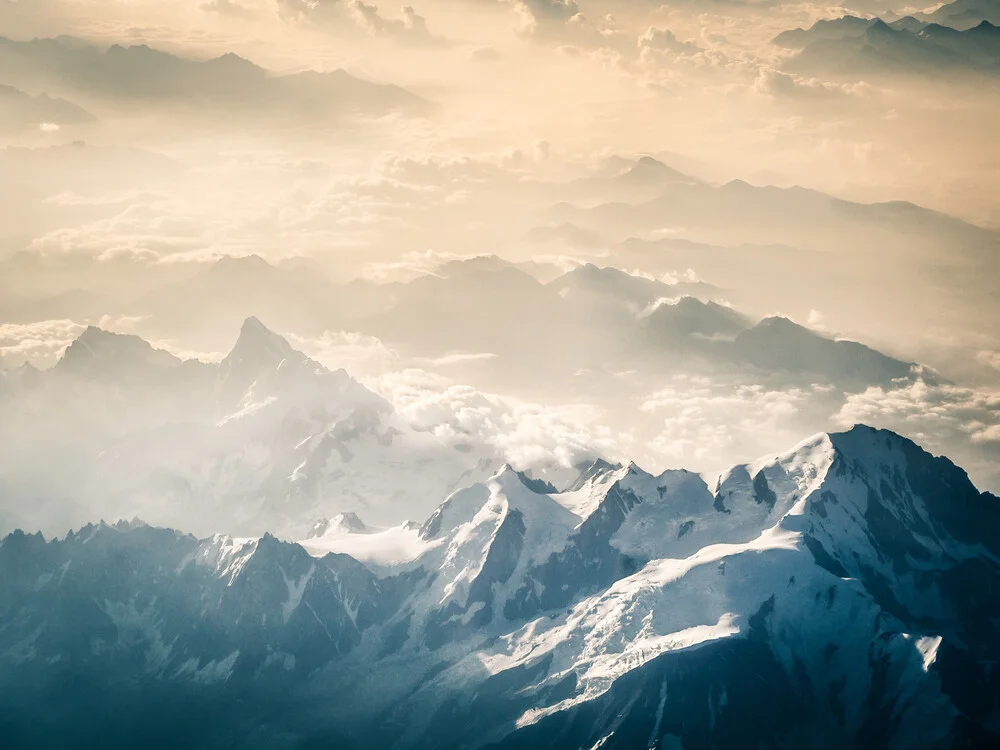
837 594
258 346
97 352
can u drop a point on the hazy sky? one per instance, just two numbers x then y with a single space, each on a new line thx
701 80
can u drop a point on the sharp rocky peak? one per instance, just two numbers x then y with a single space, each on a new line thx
259 342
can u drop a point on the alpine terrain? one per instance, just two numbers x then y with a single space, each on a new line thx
840 594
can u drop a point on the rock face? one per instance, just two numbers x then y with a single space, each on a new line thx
779 344
842 594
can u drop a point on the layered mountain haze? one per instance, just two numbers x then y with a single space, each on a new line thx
122 75
387 377
842 579
266 438
963 14
284 438
903 47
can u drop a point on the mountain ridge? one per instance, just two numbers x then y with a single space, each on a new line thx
142 74
844 535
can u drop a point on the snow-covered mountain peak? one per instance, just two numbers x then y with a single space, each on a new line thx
457 508
510 479
885 503
792 475
505 473
586 494
598 468
876 450
849 581
508 493
344 523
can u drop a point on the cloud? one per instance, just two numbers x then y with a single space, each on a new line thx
989 358
147 226
228 8
455 358
438 170
962 422
409 266
359 354
664 40
561 22
527 435
412 28
311 11
545 12
40 343
778 84
927 410
708 423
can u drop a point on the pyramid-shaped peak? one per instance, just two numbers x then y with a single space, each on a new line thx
780 323
594 471
878 27
253 326
506 472
511 480
259 343
601 466
233 60
865 440
648 167
349 522
648 162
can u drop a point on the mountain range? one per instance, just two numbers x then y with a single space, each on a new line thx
871 257
591 316
265 438
21 111
963 14
906 46
140 75
838 594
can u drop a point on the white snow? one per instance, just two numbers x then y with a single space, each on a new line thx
227 555
928 648
384 548
584 501
217 670
295 591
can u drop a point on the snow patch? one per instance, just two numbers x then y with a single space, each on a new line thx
295 591
928 648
